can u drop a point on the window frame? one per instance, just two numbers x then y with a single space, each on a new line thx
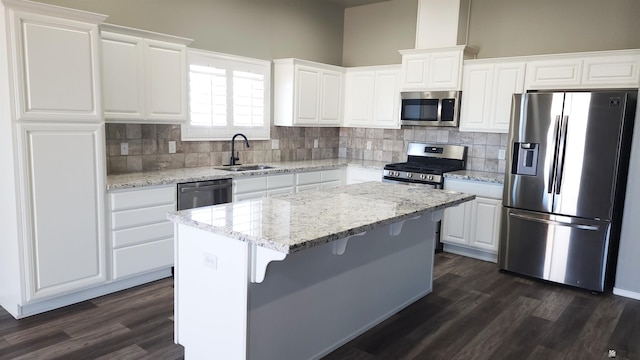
230 63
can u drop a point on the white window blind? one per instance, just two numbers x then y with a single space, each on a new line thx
227 95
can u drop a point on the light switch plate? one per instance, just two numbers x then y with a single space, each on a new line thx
315 143
172 147
501 154
275 144
124 148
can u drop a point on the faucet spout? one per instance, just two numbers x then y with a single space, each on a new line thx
235 157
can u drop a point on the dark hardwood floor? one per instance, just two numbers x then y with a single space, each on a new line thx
475 312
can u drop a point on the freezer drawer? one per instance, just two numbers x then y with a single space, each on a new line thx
557 248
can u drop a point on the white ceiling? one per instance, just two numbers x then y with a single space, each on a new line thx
352 3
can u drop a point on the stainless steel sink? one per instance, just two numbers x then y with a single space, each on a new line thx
245 167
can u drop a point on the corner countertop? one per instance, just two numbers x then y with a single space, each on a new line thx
482 176
174 176
293 222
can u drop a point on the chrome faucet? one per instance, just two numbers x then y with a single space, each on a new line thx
233 141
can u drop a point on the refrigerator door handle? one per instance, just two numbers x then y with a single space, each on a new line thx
556 144
553 222
562 151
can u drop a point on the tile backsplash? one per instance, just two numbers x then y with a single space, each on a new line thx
390 145
149 147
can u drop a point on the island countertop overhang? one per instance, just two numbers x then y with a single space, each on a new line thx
293 222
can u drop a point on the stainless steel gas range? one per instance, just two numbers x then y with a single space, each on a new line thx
426 164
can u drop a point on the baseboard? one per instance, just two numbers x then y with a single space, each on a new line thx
472 253
626 293
76 297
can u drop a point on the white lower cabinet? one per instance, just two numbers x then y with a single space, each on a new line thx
473 228
141 235
356 175
268 185
64 246
313 180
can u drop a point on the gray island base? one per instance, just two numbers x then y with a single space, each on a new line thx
296 276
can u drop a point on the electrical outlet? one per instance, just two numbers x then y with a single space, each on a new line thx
124 148
275 144
210 260
369 144
172 147
501 154
315 143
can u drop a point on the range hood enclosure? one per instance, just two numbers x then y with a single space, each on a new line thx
442 23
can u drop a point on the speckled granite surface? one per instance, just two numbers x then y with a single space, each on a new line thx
476 176
173 176
293 222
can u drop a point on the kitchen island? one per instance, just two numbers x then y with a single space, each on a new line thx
296 276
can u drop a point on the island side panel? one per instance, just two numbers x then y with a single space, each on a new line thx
211 286
315 301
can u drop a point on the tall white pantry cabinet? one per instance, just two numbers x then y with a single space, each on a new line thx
52 236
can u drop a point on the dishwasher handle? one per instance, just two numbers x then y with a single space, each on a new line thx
188 189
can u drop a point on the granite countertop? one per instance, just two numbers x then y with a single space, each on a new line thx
483 176
293 222
174 176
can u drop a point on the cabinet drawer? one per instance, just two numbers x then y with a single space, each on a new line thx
142 198
311 177
140 234
301 188
249 185
142 258
279 181
284 190
137 217
331 175
330 184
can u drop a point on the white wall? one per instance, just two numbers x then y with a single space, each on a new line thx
260 29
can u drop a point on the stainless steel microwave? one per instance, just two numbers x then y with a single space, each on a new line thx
430 108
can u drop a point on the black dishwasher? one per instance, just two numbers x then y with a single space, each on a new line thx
204 193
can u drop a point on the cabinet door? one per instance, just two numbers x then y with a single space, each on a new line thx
456 224
476 92
607 71
444 70
306 95
386 99
64 193
122 74
56 69
508 79
166 81
553 74
415 71
486 222
331 98
359 98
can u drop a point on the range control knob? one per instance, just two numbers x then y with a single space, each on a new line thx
430 177
422 176
409 175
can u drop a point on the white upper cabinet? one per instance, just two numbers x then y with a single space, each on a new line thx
603 69
434 69
145 76
372 97
54 67
487 89
308 93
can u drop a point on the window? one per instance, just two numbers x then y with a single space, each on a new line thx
227 94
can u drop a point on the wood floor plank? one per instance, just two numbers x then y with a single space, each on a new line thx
130 352
494 334
554 305
594 340
570 324
13 352
543 353
523 340
63 349
625 338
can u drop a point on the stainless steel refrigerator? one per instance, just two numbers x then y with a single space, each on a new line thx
564 185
